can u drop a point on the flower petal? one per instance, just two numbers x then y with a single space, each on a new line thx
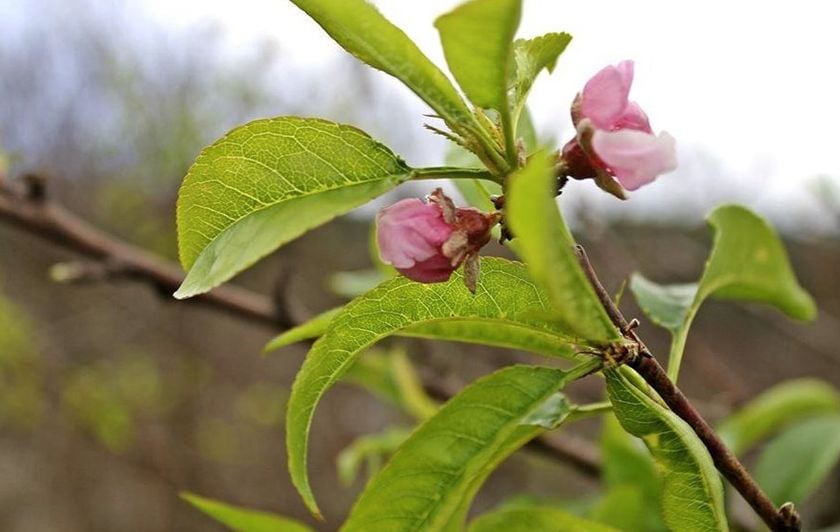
410 231
435 269
635 158
634 118
604 97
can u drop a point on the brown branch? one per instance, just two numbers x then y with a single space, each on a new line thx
110 258
32 211
785 518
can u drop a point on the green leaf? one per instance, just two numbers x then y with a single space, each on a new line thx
530 57
692 494
504 311
361 30
779 406
526 131
633 487
370 448
552 413
665 305
748 263
534 519
313 328
477 39
266 183
429 482
625 507
546 245
794 464
626 460
527 335
524 332
243 519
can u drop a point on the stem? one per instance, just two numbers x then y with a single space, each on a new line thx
453 172
591 409
490 148
510 134
784 519
678 348
592 365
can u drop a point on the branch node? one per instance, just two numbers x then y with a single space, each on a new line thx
620 353
631 325
790 517
35 188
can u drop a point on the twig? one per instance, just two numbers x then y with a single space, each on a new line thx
785 518
111 258
578 452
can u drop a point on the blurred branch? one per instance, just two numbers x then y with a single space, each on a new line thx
109 258
30 208
576 451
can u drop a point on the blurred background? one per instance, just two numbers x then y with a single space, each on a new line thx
114 398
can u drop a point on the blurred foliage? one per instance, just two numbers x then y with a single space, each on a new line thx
223 434
243 519
797 462
774 409
263 403
632 487
372 450
124 110
21 370
392 378
108 397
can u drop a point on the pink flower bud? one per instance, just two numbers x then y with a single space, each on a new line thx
410 234
426 242
614 134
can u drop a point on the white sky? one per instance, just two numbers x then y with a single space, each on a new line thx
753 85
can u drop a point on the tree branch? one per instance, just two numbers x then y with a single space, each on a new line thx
32 211
110 258
783 519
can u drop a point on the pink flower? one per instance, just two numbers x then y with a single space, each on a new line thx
426 242
614 134
410 234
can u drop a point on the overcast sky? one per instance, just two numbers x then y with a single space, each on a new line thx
749 90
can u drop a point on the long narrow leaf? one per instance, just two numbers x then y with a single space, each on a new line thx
506 302
362 30
692 494
546 245
431 479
